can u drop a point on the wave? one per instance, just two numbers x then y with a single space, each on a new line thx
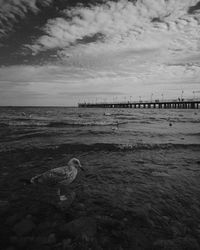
124 147
59 124
81 124
22 119
97 147
3 125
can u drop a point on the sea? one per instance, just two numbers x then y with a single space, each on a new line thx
142 167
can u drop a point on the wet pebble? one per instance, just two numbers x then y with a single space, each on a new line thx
49 159
3 206
13 239
80 206
24 227
83 227
177 243
66 243
51 239
13 219
41 240
45 226
22 242
10 248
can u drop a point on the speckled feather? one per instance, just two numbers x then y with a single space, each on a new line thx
61 175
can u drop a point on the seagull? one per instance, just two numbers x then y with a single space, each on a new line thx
61 176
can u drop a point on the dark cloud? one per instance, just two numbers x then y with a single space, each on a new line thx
21 23
194 8
14 12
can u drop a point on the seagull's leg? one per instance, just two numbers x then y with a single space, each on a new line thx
58 192
62 194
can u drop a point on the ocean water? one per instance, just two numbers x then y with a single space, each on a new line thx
141 165
131 128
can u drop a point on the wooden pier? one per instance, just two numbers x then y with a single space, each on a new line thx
186 104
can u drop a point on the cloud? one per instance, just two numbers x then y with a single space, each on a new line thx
119 22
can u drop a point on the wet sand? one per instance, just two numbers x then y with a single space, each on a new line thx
125 199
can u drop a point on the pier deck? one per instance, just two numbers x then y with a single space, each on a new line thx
187 104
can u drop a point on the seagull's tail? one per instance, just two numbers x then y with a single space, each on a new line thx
35 179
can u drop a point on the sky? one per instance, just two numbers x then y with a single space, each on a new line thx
61 52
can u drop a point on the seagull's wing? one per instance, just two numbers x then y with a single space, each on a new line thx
52 176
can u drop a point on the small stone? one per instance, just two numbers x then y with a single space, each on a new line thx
34 209
24 227
13 219
10 248
40 240
125 220
51 238
44 227
13 239
22 242
83 227
80 206
178 243
29 216
49 158
4 206
66 243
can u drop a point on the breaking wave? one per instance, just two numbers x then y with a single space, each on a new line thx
80 124
123 147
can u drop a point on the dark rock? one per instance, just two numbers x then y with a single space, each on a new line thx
66 243
22 242
34 209
29 216
104 240
4 205
51 239
45 227
80 206
49 159
13 239
83 227
108 221
141 218
178 229
24 227
10 248
137 238
11 220
41 240
43 247
186 243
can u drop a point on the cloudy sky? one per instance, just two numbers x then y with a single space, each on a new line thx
60 52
